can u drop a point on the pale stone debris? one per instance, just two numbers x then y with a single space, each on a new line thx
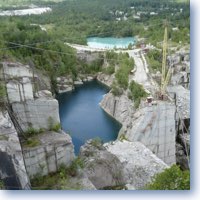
120 163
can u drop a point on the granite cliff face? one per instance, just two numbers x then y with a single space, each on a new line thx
12 166
145 146
148 125
36 110
120 163
53 150
121 108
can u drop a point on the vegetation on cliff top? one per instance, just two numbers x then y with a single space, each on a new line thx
2 94
60 180
137 92
1 185
154 59
172 178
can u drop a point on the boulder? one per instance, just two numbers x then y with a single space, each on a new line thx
79 182
106 79
139 163
90 78
78 82
65 88
44 94
52 151
58 79
120 163
187 57
102 168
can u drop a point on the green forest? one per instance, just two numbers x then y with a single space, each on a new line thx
76 20
22 39
39 40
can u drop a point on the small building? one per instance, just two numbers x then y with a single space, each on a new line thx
153 13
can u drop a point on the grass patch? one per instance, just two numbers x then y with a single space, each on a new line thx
2 95
4 137
2 186
56 127
32 132
31 142
123 137
59 180
53 126
97 142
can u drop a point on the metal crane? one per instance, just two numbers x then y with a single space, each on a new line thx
165 77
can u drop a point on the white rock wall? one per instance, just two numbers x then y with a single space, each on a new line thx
16 70
18 92
12 167
106 79
121 108
54 149
154 126
37 113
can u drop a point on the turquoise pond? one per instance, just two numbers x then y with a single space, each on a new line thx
109 42
83 118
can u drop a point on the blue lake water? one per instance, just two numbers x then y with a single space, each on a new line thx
110 42
83 118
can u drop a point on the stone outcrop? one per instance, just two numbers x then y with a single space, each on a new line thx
87 56
64 84
149 124
79 182
12 167
16 70
38 114
181 65
182 100
120 163
106 79
121 108
102 168
54 149
31 108
154 126
36 110
67 84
